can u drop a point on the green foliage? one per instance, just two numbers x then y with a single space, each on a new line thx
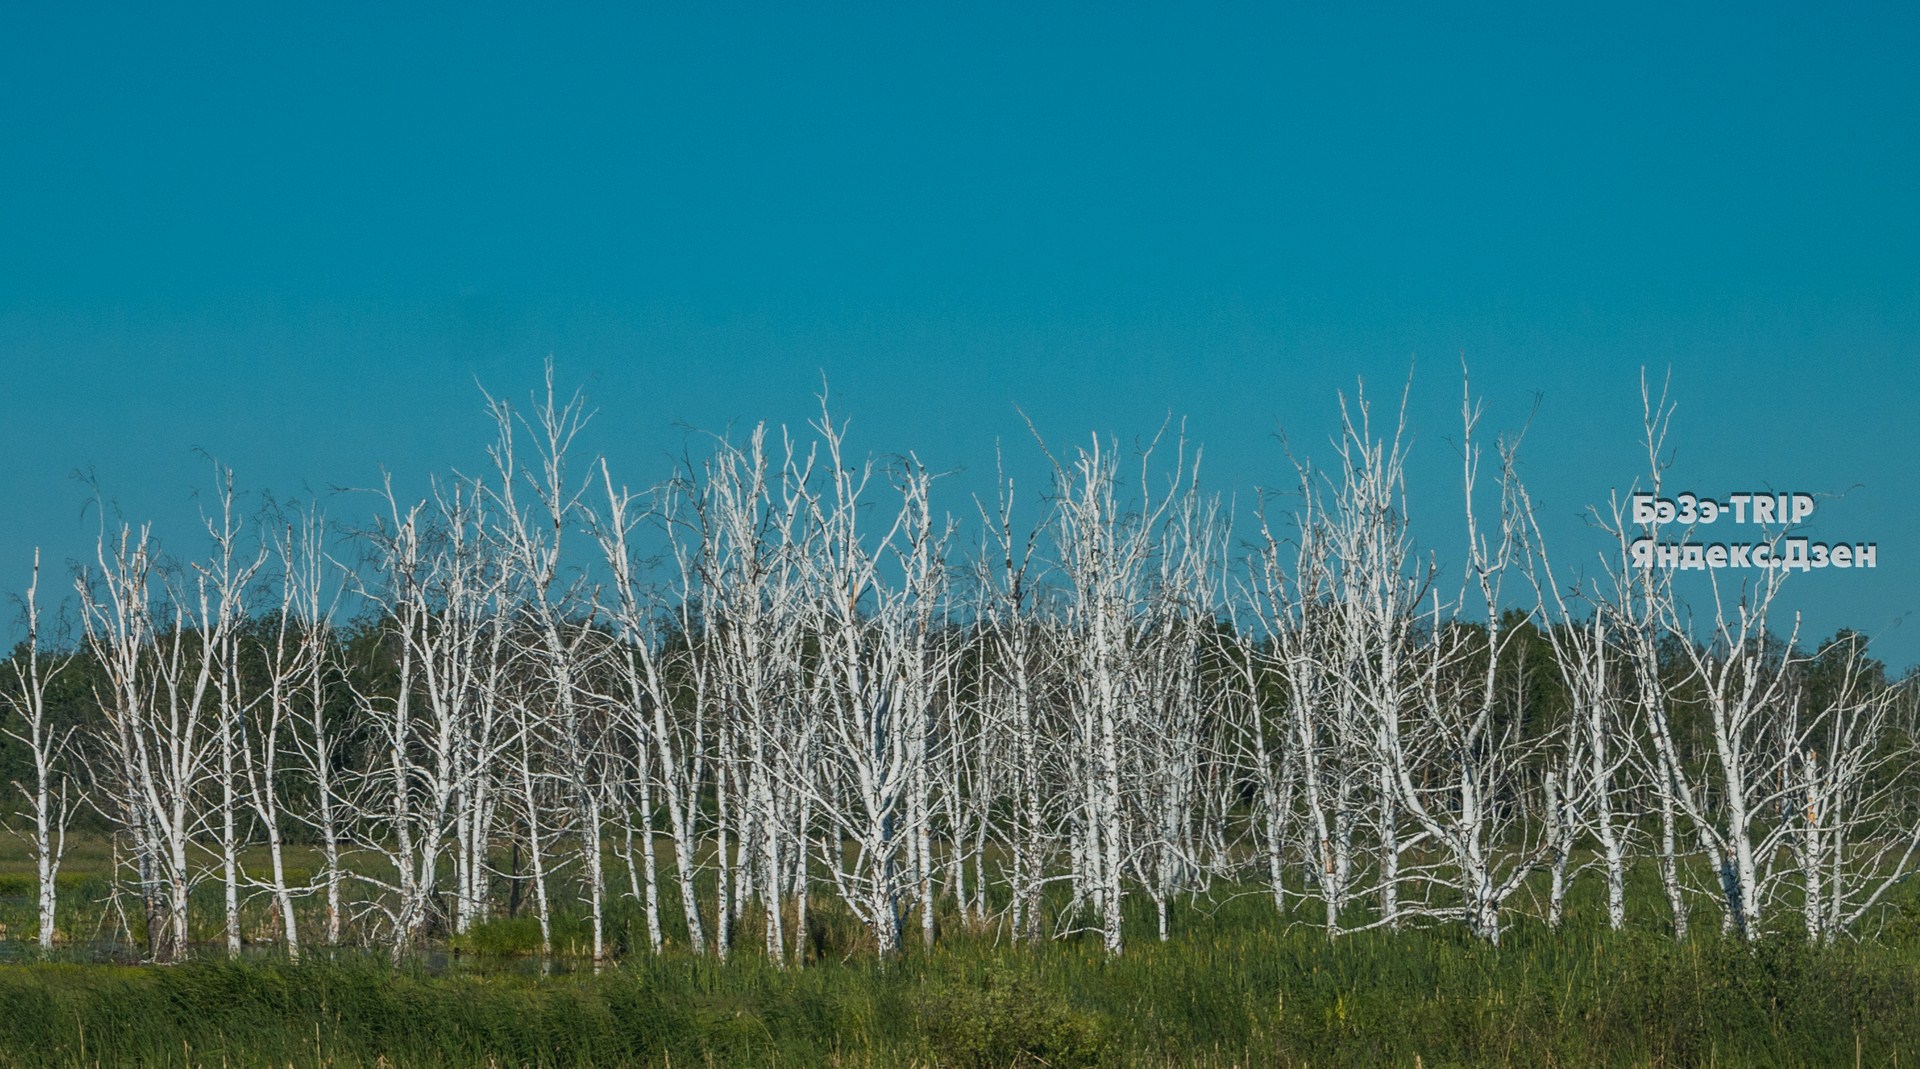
501 937
1006 1018
520 936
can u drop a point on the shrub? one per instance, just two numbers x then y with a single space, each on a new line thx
1006 1019
503 936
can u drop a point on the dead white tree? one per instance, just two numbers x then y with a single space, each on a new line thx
266 733
1462 766
924 663
1317 735
225 581
1105 549
755 586
645 668
116 605
880 676
307 674
1587 783
530 542
1250 697
1176 759
1848 807
1637 614
1377 588
1017 733
739 544
156 720
1741 675
1737 676
50 796
440 586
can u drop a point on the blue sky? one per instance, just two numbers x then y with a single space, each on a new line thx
295 240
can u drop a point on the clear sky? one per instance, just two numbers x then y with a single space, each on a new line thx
296 239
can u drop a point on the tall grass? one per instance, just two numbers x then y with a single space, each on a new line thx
1237 987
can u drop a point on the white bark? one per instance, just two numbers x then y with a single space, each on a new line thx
50 795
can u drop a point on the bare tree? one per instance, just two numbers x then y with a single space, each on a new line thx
1105 551
1458 766
1015 728
265 736
156 710
224 584
1586 784
1316 733
1847 809
440 587
640 664
530 543
305 679
1377 590
50 747
880 676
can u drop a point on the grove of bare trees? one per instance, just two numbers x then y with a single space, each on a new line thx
784 680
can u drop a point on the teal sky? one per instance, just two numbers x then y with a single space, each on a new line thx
295 240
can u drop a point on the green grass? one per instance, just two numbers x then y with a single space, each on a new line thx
1237 985
1236 988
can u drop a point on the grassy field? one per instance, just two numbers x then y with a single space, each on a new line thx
1236 986
1239 992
